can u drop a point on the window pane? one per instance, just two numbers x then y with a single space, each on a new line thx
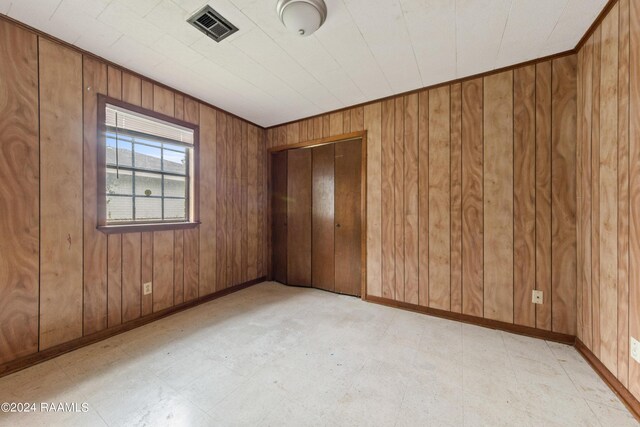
175 161
147 157
124 151
148 208
148 184
119 182
175 186
119 208
175 209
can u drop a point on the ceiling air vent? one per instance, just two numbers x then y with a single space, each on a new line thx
212 24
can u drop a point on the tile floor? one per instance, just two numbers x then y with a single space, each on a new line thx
273 355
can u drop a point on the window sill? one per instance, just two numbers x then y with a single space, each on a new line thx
137 228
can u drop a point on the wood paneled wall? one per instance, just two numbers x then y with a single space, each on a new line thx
608 191
471 193
60 278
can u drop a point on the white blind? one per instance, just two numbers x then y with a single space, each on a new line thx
131 121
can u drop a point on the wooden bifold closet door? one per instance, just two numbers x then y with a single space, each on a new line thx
317 224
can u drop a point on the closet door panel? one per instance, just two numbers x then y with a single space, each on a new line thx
348 228
323 219
299 217
279 216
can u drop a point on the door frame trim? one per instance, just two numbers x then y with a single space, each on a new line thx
362 135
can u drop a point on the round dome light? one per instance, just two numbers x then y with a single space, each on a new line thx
302 17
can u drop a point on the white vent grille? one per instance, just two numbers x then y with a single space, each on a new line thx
212 24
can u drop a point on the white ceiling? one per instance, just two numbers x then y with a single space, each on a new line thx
367 49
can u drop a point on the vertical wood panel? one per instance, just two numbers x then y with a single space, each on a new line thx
61 193
178 267
244 202
358 119
221 202
585 200
423 198
348 231
498 200
608 192
163 101
472 198
253 204
439 199
543 193
323 190
131 276
398 194
595 198
524 195
299 217
335 124
372 122
279 216
237 203
388 223
456 198
564 196
162 270
208 202
623 195
94 241
131 89
411 199
19 175
147 94
178 106
146 267
634 188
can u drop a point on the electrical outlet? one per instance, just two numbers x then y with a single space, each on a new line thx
147 288
635 349
536 297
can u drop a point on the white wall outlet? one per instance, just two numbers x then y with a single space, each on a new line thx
536 297
148 288
635 349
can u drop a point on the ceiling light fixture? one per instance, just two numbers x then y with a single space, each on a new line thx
302 17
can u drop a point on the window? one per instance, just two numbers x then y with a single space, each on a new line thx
147 169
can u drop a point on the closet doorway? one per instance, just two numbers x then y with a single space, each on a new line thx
318 196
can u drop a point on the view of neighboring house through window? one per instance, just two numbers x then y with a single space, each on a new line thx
147 168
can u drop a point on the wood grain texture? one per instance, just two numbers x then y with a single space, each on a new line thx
147 94
498 199
543 193
146 270
472 198
372 122
456 198
131 276
524 195
439 199
163 100
584 209
323 272
609 191
623 195
336 124
208 202
253 203
178 267
595 198
19 174
423 198
348 221
114 82
279 216
162 270
388 222
563 160
244 203
299 217
411 261
634 188
61 203
94 242
221 202
398 197
178 106
131 89
114 280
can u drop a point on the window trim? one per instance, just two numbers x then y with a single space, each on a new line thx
192 176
